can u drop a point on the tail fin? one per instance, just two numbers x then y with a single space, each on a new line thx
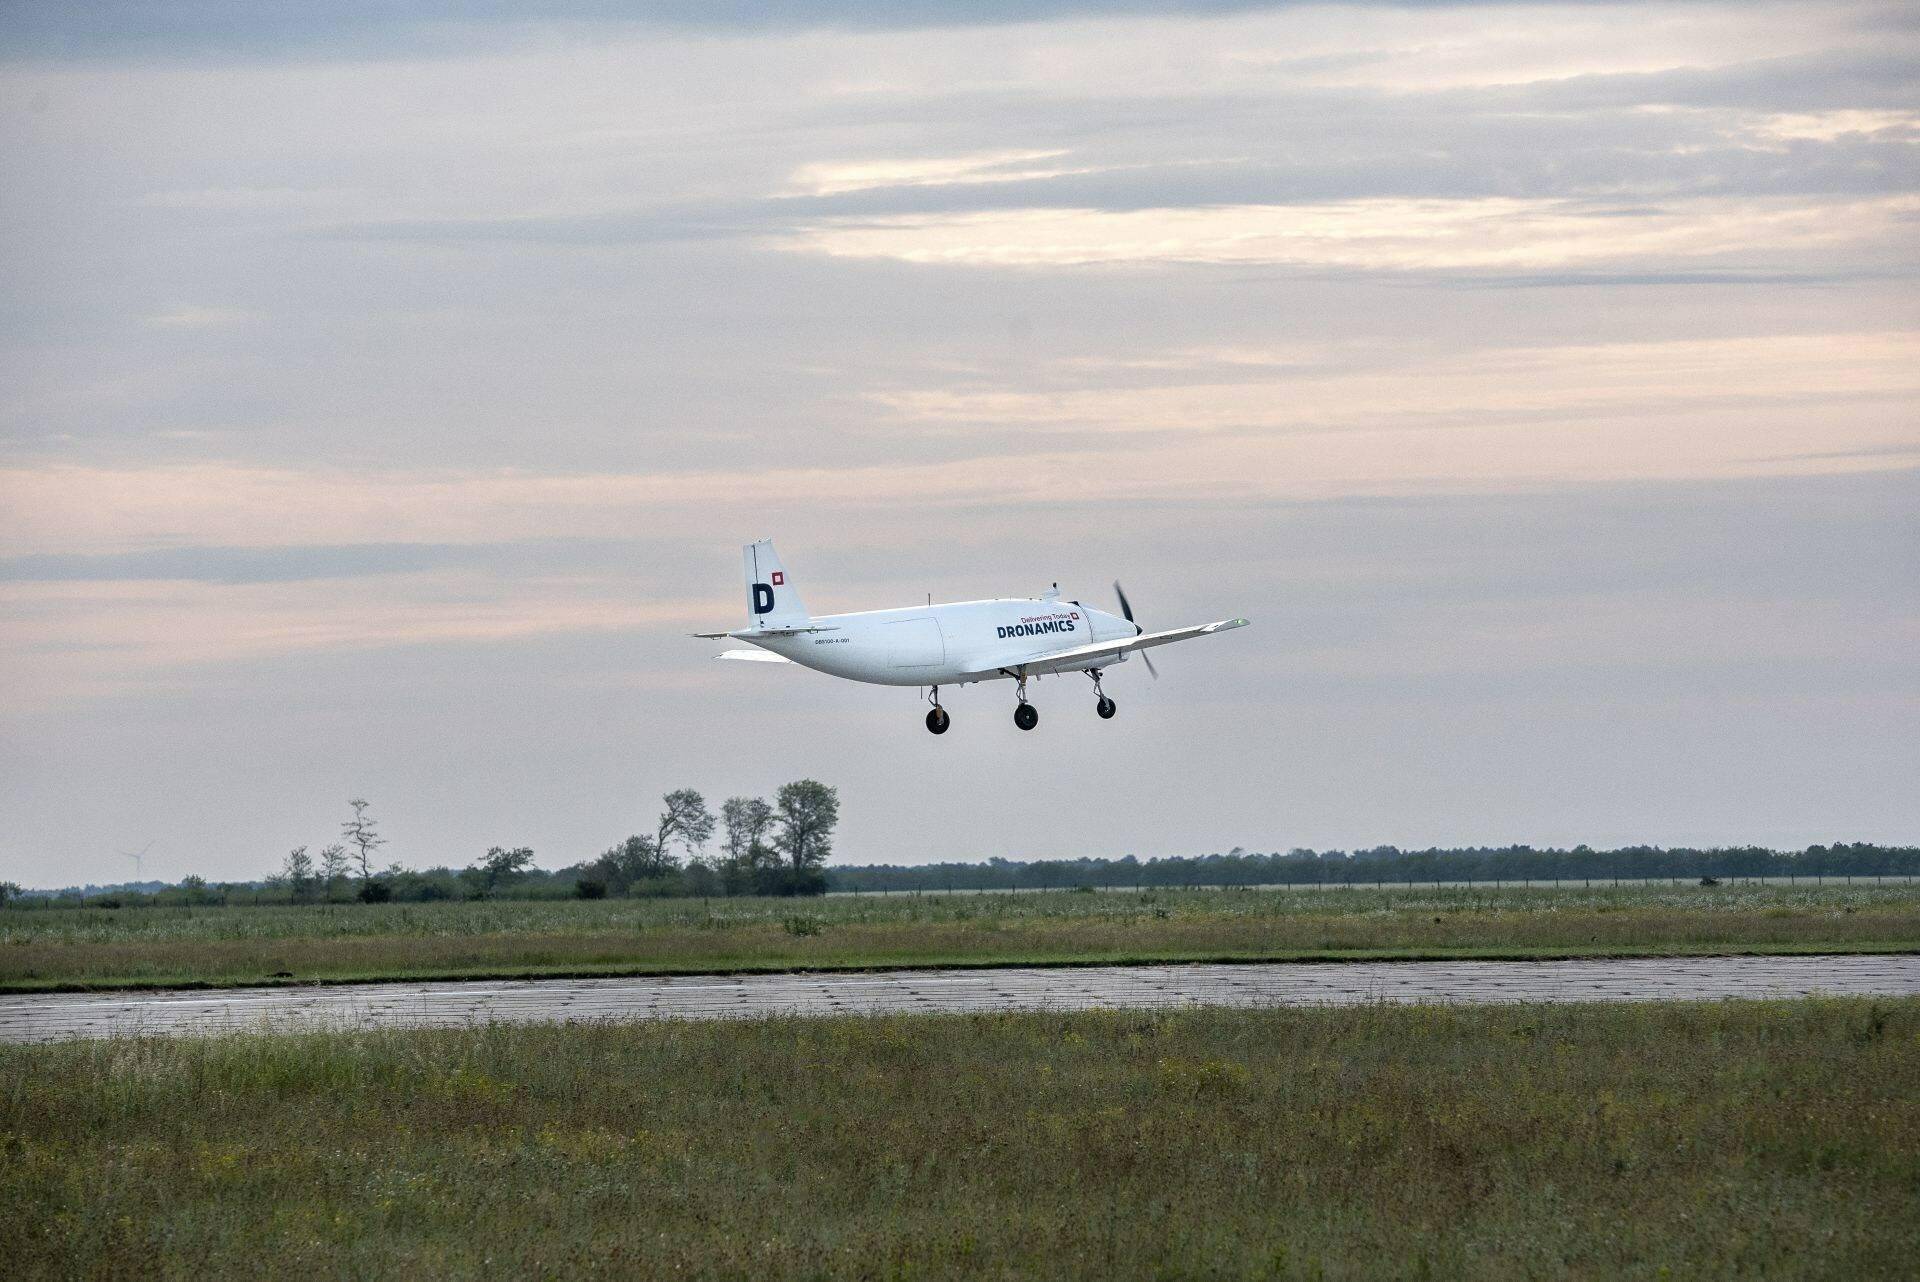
772 601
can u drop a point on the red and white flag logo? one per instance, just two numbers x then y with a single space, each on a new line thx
779 578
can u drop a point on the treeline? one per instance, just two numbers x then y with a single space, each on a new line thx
777 849
766 848
780 848
1382 864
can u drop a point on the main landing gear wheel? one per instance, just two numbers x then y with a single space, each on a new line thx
1106 707
938 720
1026 716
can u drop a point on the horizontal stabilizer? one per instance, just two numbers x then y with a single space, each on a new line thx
743 634
753 656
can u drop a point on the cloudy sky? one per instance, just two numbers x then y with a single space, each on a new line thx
384 402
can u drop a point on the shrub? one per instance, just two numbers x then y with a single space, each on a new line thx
590 888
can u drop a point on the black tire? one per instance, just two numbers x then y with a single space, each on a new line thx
1026 716
1106 708
938 720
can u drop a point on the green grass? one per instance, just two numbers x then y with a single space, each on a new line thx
1711 1140
105 948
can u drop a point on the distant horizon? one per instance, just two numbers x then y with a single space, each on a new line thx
151 884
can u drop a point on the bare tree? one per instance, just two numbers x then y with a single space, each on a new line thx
360 834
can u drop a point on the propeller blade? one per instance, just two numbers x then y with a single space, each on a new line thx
1126 608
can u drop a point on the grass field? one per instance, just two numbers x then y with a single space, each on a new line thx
95 947
1776 1139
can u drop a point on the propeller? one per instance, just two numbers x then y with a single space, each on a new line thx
1126 608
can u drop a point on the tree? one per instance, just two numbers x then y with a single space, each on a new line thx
701 879
297 872
686 820
9 891
747 820
360 833
747 856
808 811
635 859
501 867
194 887
333 869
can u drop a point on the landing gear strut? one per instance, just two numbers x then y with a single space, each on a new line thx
1105 707
937 718
1025 715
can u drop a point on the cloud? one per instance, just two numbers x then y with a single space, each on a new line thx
1335 389
201 318
1298 423
1826 126
238 29
225 199
72 640
1494 233
238 564
828 178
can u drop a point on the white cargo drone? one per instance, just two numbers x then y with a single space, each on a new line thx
935 645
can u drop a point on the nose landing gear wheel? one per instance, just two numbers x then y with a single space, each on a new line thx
938 720
1026 716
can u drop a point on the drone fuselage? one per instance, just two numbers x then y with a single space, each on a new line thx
949 644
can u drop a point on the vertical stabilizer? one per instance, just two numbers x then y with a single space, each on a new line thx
772 601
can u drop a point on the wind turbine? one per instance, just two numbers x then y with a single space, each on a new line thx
128 854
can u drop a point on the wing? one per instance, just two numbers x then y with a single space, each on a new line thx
753 656
1143 642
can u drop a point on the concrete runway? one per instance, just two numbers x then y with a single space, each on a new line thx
56 1016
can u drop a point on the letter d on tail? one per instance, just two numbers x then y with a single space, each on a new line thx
771 599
